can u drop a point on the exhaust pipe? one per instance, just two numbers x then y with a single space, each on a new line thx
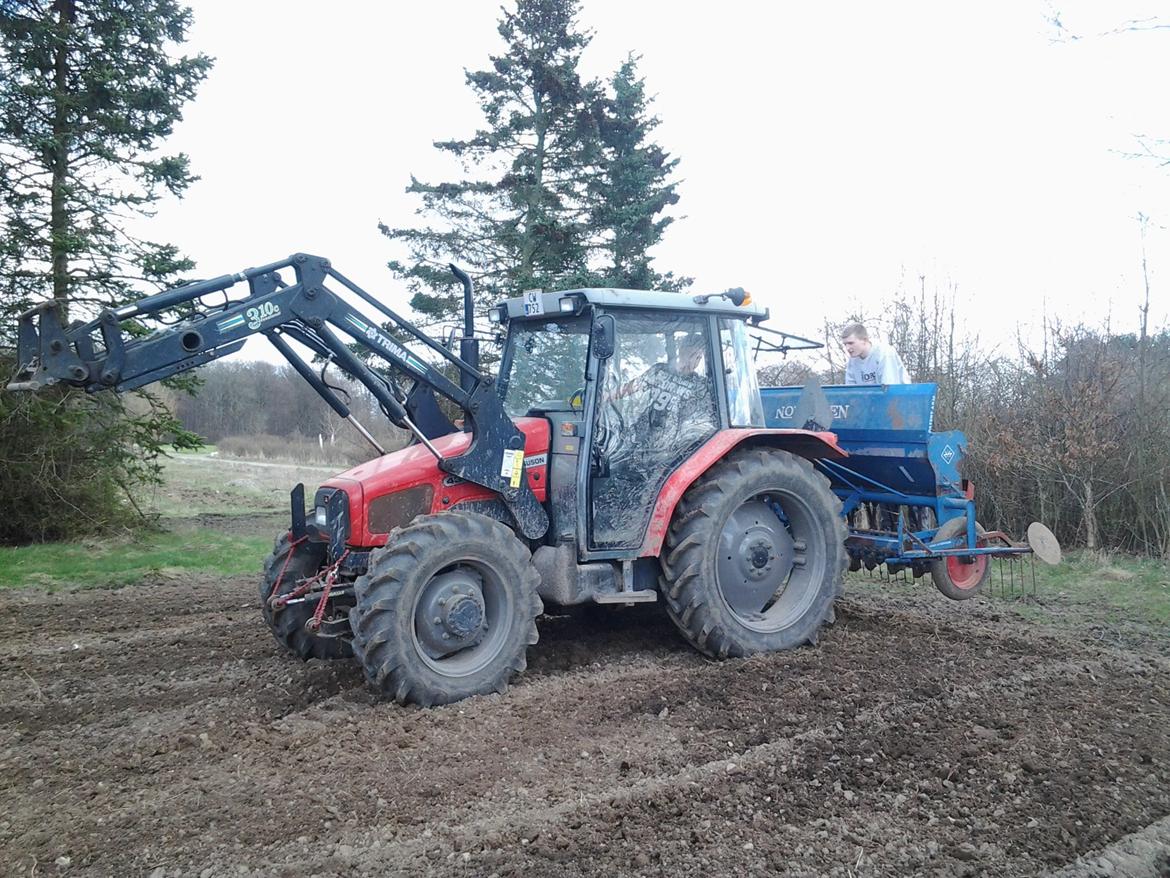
469 344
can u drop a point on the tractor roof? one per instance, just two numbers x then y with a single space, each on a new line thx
550 303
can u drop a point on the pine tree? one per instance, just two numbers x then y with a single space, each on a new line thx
633 189
88 90
522 221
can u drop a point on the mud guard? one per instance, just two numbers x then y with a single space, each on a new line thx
809 444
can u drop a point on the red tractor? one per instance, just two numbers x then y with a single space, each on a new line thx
619 457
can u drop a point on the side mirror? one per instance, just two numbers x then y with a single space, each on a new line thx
603 336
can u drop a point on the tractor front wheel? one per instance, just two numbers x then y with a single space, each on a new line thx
447 609
286 568
754 556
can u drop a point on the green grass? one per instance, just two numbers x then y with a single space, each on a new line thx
117 562
1114 598
1116 587
195 485
249 504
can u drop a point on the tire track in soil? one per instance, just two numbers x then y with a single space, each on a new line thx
498 823
304 753
115 687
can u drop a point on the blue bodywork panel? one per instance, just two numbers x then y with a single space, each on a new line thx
896 463
886 430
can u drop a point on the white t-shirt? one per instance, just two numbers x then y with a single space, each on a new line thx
882 366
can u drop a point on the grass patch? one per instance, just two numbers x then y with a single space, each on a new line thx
196 485
117 562
1117 587
1108 594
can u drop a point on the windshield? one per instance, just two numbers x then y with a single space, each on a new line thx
546 366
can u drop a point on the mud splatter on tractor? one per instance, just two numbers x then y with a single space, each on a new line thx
622 455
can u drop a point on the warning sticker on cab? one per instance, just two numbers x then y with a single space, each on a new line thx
512 466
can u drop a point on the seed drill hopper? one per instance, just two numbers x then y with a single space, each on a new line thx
908 506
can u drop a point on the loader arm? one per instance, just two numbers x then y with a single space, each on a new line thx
102 355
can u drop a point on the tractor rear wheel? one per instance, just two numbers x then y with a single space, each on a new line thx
754 556
960 578
447 609
287 624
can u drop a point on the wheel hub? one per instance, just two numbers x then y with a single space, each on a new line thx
760 557
450 615
756 555
463 616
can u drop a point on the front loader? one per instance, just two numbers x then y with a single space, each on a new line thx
620 457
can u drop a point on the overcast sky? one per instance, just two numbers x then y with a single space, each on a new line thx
829 151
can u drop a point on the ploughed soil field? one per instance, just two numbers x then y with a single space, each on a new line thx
160 730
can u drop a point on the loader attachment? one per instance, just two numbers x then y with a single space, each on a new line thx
104 354
44 355
48 354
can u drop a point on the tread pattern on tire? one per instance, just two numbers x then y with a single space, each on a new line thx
288 624
391 666
689 591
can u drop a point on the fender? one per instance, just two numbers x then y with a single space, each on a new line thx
808 444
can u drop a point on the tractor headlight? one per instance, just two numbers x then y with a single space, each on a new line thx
321 516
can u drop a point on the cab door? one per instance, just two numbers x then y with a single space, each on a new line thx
655 405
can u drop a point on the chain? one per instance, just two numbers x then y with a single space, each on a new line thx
330 579
287 558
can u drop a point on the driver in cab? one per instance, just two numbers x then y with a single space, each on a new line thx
647 424
671 397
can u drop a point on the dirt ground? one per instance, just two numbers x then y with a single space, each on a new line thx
159 730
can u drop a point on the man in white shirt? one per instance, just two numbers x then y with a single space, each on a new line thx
870 362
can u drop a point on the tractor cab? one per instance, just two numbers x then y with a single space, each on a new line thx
632 384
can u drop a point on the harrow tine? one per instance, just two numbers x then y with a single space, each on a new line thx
1014 582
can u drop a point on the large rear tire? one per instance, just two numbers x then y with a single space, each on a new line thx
754 556
447 609
287 624
960 578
